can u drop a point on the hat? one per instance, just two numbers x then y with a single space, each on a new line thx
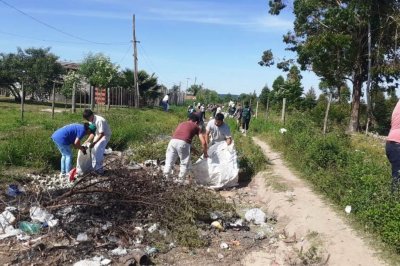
92 128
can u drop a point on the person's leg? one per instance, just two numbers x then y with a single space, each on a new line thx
98 155
171 155
393 155
184 155
66 157
247 124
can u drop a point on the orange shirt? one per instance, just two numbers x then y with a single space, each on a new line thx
394 134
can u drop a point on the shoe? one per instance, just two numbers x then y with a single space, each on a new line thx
62 175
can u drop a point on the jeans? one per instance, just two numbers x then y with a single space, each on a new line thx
66 157
177 148
165 106
393 154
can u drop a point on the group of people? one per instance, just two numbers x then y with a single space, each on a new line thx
180 144
98 132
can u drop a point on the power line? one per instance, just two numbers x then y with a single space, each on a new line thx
122 59
151 64
56 29
38 39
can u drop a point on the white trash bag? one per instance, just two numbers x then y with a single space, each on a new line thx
84 161
220 169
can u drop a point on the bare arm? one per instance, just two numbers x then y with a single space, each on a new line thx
204 144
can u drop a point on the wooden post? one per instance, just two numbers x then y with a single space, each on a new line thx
108 99
283 110
53 100
22 100
257 109
73 106
327 112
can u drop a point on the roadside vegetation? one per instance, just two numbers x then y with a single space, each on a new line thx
349 169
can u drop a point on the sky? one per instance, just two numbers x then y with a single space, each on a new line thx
214 43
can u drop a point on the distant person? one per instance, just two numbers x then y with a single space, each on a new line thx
246 116
214 110
165 102
180 146
393 147
190 110
238 116
217 130
99 140
70 135
203 111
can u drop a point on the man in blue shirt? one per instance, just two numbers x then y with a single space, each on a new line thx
70 135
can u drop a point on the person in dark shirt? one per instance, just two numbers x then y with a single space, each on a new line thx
180 146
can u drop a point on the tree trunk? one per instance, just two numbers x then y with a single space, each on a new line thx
355 104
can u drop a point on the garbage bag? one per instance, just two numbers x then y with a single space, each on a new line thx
220 169
84 162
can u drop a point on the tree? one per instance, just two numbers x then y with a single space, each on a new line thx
330 38
264 96
310 99
11 73
42 69
37 68
72 80
99 71
194 89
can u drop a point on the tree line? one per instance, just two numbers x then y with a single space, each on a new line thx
39 70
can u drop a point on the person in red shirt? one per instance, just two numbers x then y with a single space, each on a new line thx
393 147
180 146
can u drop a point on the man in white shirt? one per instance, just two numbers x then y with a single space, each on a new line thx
98 141
218 131
165 102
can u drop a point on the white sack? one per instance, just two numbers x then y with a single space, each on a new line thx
84 162
220 169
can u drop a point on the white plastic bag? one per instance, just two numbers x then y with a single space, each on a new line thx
220 169
84 162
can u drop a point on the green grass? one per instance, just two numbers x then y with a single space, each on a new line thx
27 145
349 170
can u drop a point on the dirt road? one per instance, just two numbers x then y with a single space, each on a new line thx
313 230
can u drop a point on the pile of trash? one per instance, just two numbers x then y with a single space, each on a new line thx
129 215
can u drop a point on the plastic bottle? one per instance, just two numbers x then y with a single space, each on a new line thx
30 228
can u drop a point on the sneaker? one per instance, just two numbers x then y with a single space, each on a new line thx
62 175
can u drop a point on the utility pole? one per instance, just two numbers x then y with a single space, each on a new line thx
136 85
187 83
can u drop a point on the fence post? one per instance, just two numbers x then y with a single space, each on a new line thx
283 111
327 113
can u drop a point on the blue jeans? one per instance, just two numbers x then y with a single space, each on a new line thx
393 154
66 157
